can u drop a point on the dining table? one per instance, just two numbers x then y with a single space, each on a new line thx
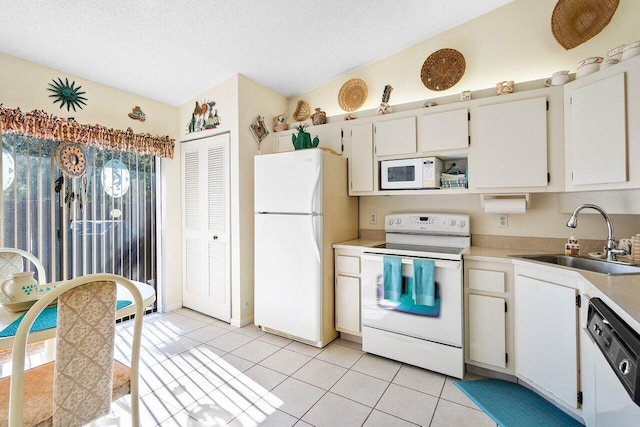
7 317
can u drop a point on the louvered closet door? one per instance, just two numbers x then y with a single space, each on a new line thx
205 226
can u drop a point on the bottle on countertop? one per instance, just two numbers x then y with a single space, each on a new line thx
572 247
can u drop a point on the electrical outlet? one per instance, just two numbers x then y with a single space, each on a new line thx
373 218
503 220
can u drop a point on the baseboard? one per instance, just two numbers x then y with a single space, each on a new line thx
168 308
240 323
350 337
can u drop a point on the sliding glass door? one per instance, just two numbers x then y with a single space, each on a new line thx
104 222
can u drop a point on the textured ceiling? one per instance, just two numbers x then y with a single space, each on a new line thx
172 51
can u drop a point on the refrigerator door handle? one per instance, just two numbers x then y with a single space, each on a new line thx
315 189
312 229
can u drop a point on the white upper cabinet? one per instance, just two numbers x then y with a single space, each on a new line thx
509 146
599 132
361 170
330 136
443 131
393 137
283 141
602 137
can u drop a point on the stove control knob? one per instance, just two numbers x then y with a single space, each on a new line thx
390 221
624 367
452 222
461 224
398 220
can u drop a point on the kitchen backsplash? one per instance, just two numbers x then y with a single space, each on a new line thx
511 242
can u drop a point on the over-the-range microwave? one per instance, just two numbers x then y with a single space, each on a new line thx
405 174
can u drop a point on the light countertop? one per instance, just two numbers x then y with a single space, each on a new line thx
621 290
352 244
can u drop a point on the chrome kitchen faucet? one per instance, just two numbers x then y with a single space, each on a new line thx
611 250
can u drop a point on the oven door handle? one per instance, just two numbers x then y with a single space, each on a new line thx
439 263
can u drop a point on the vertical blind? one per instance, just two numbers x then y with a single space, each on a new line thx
113 232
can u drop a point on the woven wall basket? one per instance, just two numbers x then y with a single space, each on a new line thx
442 69
303 111
352 94
573 22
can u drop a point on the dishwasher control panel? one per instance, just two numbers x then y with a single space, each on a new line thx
619 344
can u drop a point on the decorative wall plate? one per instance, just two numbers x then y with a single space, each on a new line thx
352 94
66 93
442 69
71 159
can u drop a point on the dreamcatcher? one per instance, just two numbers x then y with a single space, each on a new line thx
72 162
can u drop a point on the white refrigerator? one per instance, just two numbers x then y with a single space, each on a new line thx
302 207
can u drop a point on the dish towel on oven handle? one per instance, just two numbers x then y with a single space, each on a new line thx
424 286
392 278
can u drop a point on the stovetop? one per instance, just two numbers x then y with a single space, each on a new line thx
422 251
420 248
438 235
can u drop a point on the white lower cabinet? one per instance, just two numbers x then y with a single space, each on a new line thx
488 315
546 333
347 291
487 338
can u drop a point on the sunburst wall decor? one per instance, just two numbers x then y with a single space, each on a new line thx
67 94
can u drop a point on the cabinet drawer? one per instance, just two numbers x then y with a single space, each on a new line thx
486 280
348 264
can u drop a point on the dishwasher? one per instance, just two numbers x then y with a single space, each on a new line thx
615 360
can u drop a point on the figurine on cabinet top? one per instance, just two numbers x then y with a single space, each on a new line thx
280 123
384 105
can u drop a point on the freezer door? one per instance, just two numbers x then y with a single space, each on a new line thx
289 182
288 274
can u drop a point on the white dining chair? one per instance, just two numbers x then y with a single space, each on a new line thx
13 261
16 261
79 386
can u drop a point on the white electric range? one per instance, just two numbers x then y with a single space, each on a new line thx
428 336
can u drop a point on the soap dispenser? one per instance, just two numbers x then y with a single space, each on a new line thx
572 247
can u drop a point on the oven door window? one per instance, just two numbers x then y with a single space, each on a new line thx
407 302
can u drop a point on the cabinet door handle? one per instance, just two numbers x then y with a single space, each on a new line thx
215 237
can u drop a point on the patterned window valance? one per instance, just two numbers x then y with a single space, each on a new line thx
40 124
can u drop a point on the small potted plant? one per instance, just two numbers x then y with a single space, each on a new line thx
303 138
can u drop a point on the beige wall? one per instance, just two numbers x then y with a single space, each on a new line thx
239 100
541 220
24 85
511 43
254 100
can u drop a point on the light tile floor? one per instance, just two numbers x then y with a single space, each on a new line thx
198 371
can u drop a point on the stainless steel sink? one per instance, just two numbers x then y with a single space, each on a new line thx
590 264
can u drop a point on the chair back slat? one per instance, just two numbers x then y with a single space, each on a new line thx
83 376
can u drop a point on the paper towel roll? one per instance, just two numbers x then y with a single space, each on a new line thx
505 206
